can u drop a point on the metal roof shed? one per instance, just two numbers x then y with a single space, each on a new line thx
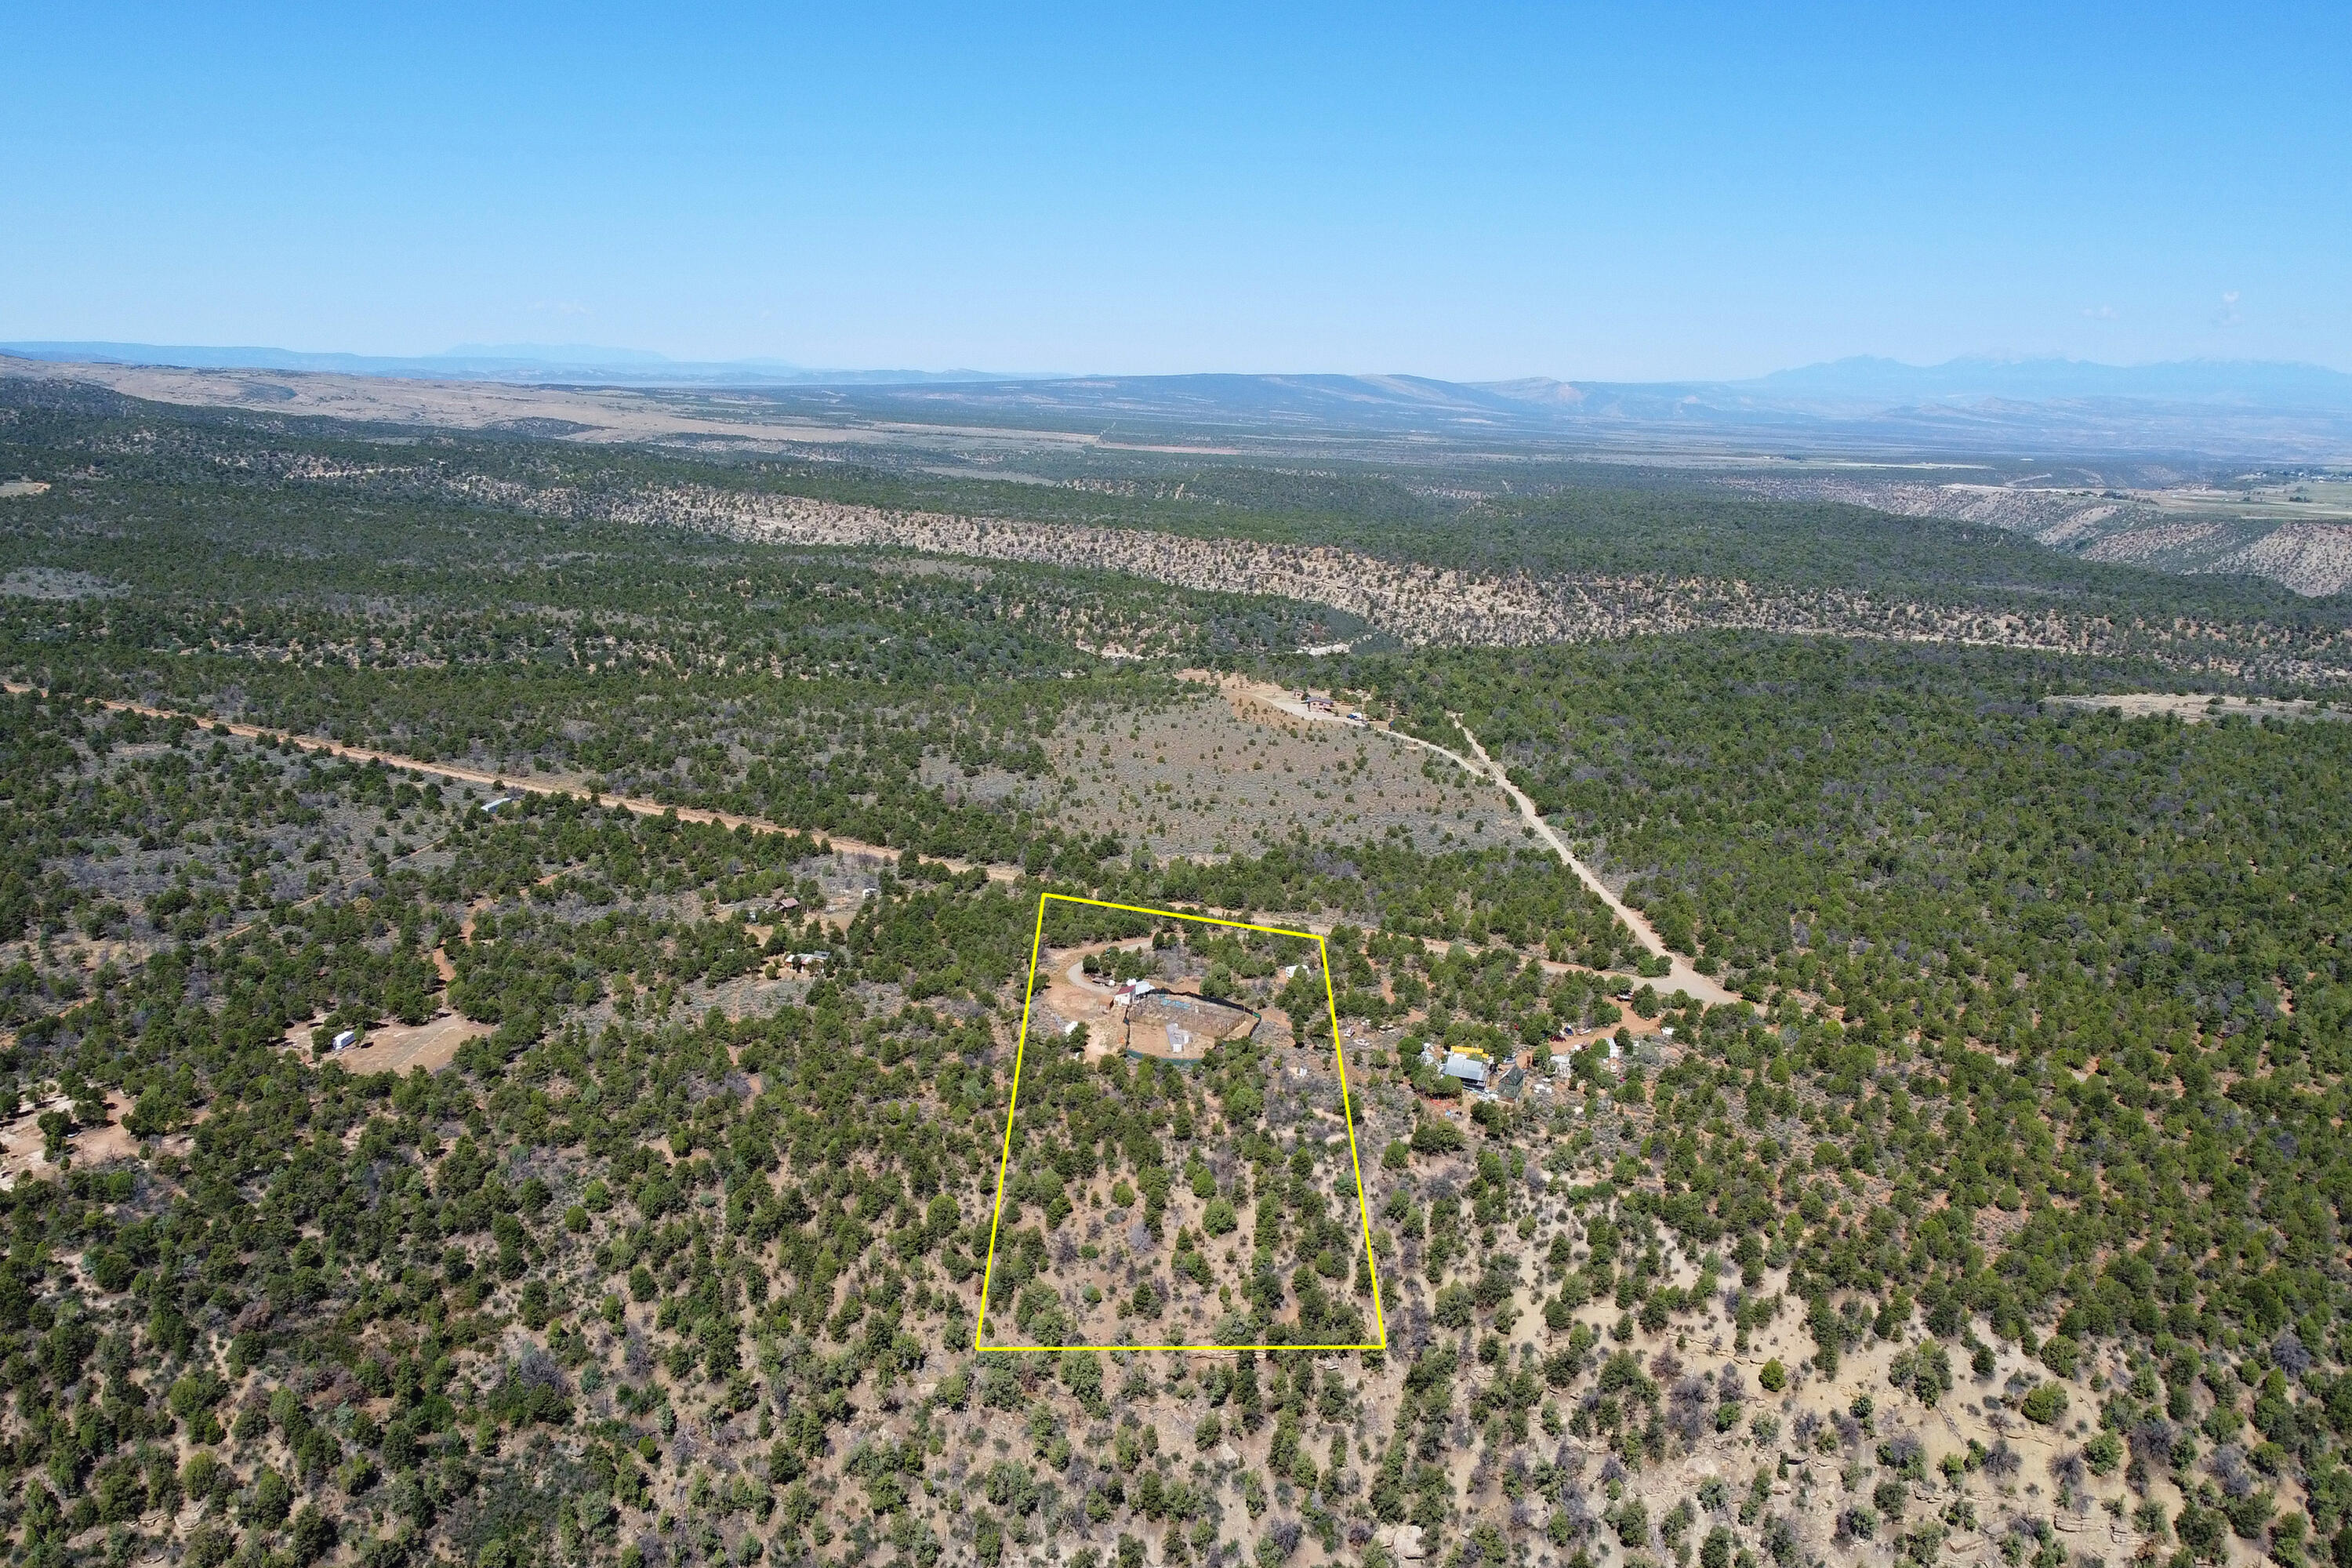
1469 1070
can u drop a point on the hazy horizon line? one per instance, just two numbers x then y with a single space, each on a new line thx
594 357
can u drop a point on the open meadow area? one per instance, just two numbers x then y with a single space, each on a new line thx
1211 774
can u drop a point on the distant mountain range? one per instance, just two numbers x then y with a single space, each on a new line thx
524 362
2228 408
2261 412
2263 383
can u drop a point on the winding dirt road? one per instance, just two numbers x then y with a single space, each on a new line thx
1680 976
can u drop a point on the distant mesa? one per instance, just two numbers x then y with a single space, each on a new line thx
2230 410
525 363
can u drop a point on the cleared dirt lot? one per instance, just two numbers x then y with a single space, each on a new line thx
1210 774
2195 708
22 1142
397 1048
1170 1024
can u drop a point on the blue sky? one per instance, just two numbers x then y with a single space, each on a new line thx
1642 192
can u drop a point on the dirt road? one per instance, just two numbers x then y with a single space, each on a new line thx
550 786
1680 976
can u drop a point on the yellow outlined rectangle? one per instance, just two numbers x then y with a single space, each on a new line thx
1013 1103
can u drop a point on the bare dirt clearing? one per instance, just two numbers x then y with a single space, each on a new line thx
1173 1022
2195 708
1218 774
397 1048
23 1143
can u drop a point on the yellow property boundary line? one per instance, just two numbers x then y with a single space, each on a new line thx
1363 1211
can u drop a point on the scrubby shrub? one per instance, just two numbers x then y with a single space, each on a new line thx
2043 1403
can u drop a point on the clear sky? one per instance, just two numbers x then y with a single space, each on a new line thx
1639 192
